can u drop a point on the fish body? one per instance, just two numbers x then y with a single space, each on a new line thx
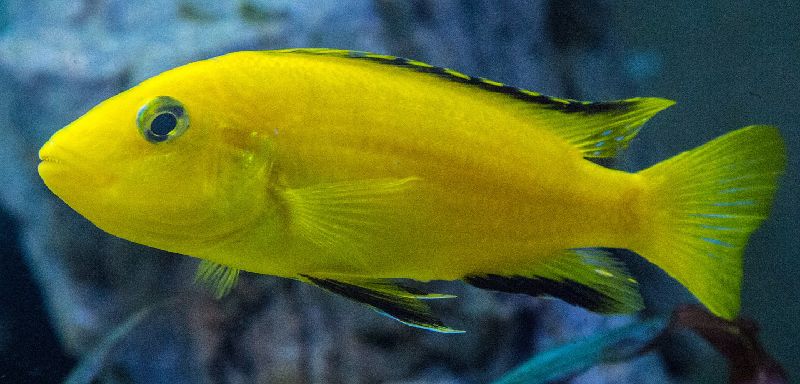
345 169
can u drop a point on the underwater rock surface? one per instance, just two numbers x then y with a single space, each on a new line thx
58 58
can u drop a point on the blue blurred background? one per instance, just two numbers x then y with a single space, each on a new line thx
65 284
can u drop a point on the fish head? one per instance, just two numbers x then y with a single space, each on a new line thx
161 164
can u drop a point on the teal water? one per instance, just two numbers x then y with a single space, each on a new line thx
727 65
731 64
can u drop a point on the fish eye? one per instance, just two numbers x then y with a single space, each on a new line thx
161 119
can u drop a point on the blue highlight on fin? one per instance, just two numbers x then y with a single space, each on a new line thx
419 326
734 203
733 190
716 227
713 215
717 242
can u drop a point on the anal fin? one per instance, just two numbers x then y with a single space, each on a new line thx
587 278
400 303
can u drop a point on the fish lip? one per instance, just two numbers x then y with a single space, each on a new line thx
45 156
53 160
49 159
57 162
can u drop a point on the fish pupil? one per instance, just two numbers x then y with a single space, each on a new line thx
163 124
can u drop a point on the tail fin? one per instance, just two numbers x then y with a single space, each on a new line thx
704 204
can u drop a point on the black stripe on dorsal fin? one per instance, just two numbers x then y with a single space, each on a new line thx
400 303
554 103
596 129
587 278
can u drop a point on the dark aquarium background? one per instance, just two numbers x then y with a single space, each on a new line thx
66 287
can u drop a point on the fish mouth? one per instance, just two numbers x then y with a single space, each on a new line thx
59 166
46 155
53 171
52 154
48 160
49 163
67 175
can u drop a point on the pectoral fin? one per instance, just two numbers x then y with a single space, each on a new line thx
344 214
587 278
219 278
400 303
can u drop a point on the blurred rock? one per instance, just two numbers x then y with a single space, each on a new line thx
59 58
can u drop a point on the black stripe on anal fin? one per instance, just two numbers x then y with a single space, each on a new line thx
566 290
388 300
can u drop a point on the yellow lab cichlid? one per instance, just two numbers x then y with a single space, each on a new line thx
348 169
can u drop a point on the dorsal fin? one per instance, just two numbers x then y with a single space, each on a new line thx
597 129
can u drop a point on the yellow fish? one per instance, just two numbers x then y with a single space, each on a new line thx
348 169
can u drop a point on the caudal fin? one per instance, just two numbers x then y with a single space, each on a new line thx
703 205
